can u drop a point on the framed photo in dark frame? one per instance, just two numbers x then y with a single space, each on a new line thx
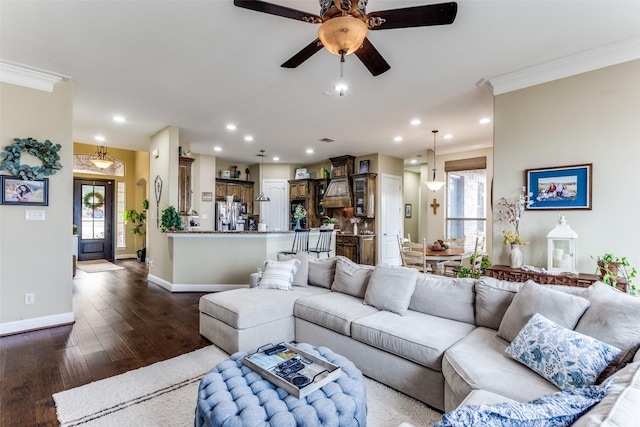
364 166
560 187
407 210
16 191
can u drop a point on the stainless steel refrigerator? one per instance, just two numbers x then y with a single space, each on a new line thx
230 216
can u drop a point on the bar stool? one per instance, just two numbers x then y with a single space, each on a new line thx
324 243
300 242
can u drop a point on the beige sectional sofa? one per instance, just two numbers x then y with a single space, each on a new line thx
440 340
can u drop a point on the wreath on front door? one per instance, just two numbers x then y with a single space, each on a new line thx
46 151
93 200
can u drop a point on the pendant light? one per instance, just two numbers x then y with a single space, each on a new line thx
100 160
261 197
433 184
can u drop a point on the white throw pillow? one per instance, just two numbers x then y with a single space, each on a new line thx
279 274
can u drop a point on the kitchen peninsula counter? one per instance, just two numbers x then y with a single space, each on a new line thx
209 261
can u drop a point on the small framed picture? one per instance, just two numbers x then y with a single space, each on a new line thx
560 187
207 196
364 166
407 210
301 173
16 191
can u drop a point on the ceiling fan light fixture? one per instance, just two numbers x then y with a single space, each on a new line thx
342 34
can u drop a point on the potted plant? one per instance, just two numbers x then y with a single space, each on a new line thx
171 219
469 272
139 221
329 223
611 268
298 214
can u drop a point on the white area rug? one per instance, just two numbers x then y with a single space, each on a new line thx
98 266
165 394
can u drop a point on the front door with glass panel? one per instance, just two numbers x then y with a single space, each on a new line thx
93 214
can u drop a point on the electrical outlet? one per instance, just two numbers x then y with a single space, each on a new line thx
29 299
149 262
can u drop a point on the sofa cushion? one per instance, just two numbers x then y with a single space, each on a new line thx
246 308
279 274
620 406
351 278
390 288
612 317
484 397
301 278
451 298
333 311
416 336
559 307
623 359
322 271
567 358
493 298
557 409
478 361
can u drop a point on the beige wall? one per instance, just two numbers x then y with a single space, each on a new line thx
588 118
203 171
411 195
36 256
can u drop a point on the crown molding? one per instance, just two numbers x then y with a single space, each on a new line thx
29 77
589 60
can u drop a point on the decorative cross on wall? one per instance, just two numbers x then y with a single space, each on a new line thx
435 205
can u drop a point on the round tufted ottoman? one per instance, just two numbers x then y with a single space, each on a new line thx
232 395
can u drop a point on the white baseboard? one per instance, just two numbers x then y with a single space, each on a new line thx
126 256
25 325
192 287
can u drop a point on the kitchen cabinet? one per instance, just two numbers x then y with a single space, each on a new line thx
360 249
321 187
304 191
246 196
364 194
184 183
242 191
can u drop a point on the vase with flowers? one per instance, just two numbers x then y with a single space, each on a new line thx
511 212
298 214
355 221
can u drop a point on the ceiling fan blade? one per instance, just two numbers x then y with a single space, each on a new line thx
371 58
417 16
274 9
306 53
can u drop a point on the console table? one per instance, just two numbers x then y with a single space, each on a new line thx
583 280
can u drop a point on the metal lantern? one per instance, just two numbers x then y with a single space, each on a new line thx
562 251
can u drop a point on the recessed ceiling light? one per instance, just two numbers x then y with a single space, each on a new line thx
248 138
415 122
217 148
276 158
448 136
397 139
231 126
414 161
119 119
485 120
100 138
309 150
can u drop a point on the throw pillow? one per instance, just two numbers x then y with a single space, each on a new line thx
623 359
279 274
493 298
566 358
613 316
448 297
557 409
562 308
322 271
351 278
302 275
390 288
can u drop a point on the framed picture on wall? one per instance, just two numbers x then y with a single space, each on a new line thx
407 210
16 191
560 187
364 166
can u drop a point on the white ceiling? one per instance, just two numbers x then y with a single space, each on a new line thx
199 65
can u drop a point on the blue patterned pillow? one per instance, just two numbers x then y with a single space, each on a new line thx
567 358
557 409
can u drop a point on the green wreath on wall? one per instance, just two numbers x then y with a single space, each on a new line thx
46 151
93 200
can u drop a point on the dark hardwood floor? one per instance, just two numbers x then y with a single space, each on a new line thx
122 323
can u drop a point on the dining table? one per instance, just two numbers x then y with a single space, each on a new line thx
437 258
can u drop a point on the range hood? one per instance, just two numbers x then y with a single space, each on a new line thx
338 192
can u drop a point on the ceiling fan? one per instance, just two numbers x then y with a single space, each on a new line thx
345 23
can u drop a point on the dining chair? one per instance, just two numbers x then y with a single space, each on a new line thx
451 267
300 242
478 252
324 243
414 256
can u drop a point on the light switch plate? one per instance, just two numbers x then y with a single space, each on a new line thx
33 215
